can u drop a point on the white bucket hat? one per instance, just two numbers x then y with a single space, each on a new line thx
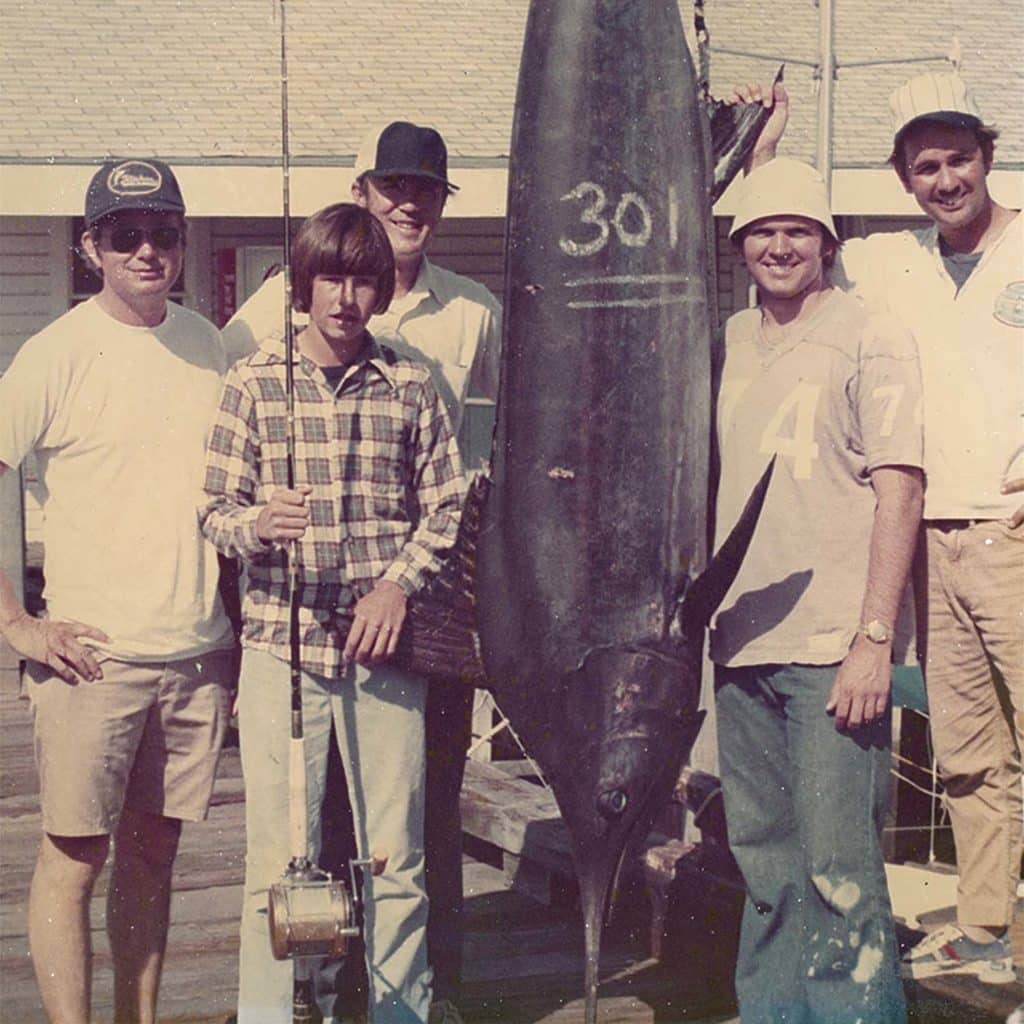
784 188
933 97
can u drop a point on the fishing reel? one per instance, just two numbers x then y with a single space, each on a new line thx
310 913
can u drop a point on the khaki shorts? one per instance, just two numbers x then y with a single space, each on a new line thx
146 736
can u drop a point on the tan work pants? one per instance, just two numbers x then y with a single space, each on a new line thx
974 671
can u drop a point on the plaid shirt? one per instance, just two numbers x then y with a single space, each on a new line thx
386 481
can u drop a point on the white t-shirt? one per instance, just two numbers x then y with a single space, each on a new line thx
117 417
834 401
447 321
971 344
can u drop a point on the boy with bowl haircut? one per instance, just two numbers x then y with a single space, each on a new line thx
452 324
375 507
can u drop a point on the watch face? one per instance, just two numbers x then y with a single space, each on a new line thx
878 632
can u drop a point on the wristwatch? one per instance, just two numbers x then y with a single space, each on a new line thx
876 631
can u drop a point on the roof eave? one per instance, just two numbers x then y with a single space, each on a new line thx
227 188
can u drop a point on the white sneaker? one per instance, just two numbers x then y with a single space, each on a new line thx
949 951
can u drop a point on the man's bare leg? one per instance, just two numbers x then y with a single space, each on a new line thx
138 911
58 923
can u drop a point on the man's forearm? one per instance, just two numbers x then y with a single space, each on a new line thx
11 608
424 551
899 491
231 528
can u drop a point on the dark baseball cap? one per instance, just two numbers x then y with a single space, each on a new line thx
404 148
132 185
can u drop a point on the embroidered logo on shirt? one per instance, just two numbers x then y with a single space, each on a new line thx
1009 305
134 178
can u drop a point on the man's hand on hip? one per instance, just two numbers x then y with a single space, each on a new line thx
56 644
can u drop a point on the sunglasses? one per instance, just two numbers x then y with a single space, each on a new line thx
129 239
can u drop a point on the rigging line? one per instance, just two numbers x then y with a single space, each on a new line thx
503 724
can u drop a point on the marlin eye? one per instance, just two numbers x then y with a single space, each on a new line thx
612 803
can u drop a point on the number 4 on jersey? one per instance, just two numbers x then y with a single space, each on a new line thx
795 416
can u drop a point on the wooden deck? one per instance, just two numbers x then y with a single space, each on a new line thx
523 954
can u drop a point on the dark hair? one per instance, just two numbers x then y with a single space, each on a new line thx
985 136
341 239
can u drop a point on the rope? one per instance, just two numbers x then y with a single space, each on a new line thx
503 724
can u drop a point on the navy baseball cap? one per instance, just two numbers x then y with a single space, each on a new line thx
404 148
132 185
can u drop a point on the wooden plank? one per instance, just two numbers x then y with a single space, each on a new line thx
200 976
521 769
518 817
34 239
21 264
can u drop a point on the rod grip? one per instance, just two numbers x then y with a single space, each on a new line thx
297 798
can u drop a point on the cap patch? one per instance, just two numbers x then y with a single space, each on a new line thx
134 178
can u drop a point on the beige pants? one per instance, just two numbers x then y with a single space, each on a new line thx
974 670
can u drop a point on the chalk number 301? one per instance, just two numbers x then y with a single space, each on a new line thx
631 219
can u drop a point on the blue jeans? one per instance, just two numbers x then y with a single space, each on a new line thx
805 806
378 717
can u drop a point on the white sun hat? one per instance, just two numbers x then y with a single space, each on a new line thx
933 97
784 187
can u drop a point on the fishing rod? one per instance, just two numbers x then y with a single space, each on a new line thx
310 914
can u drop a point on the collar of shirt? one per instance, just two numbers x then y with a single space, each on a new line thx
428 286
373 356
929 240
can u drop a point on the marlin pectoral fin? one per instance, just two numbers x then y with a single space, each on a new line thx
734 130
439 638
707 591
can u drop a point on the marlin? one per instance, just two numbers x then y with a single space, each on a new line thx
578 591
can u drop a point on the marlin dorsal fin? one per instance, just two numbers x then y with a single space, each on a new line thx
734 130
